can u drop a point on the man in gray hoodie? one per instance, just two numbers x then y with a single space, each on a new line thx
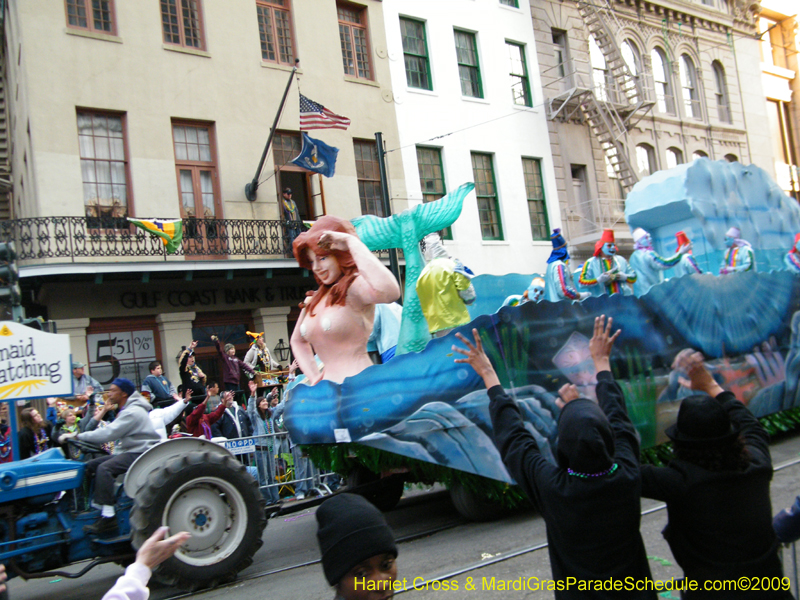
134 432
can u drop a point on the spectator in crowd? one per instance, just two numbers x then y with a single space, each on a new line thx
135 434
102 417
84 386
231 366
787 523
259 412
35 433
444 288
155 550
161 391
6 453
66 423
590 500
52 411
212 396
717 488
234 422
356 543
291 217
258 356
192 378
164 416
302 464
198 423
336 319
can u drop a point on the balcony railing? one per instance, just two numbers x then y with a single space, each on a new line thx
81 239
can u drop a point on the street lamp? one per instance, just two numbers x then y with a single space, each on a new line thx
282 350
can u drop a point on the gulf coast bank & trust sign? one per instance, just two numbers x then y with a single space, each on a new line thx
132 299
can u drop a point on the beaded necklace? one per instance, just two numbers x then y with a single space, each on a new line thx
41 442
588 475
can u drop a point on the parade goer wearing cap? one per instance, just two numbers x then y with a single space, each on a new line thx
648 264
358 548
605 272
84 386
739 255
590 500
291 215
558 278
792 258
135 432
717 489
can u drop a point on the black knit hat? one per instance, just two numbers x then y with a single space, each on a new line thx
350 530
702 422
585 438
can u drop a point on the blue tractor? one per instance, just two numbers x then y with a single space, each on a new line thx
187 484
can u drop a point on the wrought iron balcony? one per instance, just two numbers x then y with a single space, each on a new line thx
86 239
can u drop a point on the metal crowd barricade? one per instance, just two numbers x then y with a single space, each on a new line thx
282 472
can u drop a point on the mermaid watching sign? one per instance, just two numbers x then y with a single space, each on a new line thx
33 363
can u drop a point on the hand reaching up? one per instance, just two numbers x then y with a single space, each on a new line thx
602 342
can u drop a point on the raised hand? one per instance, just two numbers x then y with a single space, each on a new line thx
477 359
156 549
693 364
567 394
602 342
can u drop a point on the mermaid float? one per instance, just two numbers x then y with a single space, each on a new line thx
428 416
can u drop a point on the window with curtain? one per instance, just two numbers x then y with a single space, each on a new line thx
92 15
721 93
369 179
537 206
691 99
645 159
674 157
195 161
275 31
354 41
415 54
104 169
468 67
486 192
431 178
518 75
182 23
662 82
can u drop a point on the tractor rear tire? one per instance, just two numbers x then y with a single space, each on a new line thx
474 506
212 497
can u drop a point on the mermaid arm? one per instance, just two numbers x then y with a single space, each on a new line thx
375 284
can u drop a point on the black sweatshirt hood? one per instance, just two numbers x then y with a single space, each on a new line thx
585 438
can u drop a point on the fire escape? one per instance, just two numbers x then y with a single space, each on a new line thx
5 164
612 105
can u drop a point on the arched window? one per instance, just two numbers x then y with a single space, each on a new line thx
645 159
699 154
691 100
674 157
721 93
661 79
632 58
731 158
600 75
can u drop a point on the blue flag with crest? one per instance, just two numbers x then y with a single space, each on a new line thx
316 156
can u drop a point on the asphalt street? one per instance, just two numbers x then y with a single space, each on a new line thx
505 549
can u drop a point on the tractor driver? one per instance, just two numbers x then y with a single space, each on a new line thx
135 432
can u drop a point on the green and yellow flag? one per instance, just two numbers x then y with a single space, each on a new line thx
169 230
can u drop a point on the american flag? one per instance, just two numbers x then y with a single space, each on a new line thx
315 116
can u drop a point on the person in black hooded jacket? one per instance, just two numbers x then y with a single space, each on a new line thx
590 501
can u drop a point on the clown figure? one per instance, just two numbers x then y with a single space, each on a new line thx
739 255
688 265
792 258
648 264
534 293
605 272
558 278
